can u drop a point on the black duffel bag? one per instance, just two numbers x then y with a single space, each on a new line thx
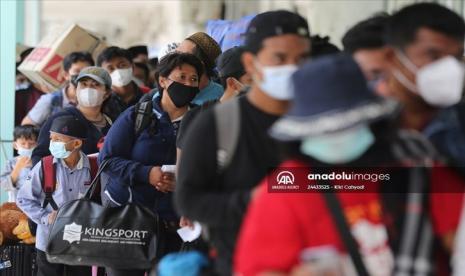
86 233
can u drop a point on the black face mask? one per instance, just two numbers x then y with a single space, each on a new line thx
181 94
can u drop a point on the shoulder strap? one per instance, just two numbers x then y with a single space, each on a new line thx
94 168
49 181
143 116
412 147
228 123
343 228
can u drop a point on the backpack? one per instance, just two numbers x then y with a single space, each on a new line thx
227 122
49 178
57 102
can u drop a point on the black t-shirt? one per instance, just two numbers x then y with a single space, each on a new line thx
114 106
220 201
188 118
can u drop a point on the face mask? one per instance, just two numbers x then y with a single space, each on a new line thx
121 77
181 94
58 150
277 81
23 85
439 83
25 152
89 97
341 147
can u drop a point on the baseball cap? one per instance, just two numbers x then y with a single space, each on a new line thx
70 126
98 74
274 23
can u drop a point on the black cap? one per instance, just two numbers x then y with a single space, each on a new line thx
274 23
70 126
229 63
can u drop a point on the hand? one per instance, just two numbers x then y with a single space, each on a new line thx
155 175
186 222
167 183
51 217
21 163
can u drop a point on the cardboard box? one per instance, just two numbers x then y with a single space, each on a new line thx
44 64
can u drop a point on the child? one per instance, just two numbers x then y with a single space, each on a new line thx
17 168
73 176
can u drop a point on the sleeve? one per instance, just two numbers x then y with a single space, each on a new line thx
30 197
185 123
197 195
42 109
446 197
271 235
117 149
6 182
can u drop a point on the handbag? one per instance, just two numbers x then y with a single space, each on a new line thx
86 233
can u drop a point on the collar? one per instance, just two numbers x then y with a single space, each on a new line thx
156 105
137 95
82 163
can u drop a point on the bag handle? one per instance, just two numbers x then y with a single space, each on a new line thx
343 229
96 180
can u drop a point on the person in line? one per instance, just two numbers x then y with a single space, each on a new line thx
93 87
136 156
17 168
54 102
301 233
276 44
207 50
366 42
67 135
125 92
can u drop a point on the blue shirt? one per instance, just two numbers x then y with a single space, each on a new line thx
212 91
71 184
132 157
6 182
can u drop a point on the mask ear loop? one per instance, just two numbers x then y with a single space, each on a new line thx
406 61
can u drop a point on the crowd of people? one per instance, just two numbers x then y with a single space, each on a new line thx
389 103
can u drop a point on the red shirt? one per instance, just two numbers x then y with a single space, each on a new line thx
279 226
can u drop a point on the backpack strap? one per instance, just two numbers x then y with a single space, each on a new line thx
57 101
49 181
93 161
343 228
228 123
143 116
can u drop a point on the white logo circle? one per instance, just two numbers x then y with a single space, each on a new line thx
285 178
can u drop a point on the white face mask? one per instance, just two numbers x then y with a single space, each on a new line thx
89 97
121 77
277 81
439 83
25 152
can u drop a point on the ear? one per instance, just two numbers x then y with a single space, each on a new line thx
164 82
390 56
15 146
77 143
231 83
66 76
248 62
107 94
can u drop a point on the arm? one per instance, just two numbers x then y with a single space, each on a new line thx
30 197
6 179
40 112
118 148
197 195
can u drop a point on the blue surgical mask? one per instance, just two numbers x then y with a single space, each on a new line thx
25 152
340 147
58 150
